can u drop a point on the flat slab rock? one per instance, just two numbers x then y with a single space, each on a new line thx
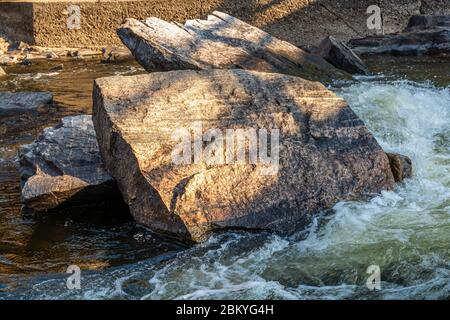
341 56
63 167
424 35
222 42
12 103
326 153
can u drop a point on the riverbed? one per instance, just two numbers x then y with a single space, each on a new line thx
406 232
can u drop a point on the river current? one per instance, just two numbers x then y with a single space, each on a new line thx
405 232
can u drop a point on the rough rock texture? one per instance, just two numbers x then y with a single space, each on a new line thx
222 42
301 22
401 166
63 167
2 73
326 152
19 102
424 35
341 56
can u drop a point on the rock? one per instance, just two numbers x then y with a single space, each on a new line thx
51 55
73 53
421 22
3 44
424 35
12 103
2 73
6 59
116 55
326 154
18 46
341 56
401 166
26 62
222 42
63 167
59 67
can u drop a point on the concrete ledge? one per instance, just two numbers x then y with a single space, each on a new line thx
302 22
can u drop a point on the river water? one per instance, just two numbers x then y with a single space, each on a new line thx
406 232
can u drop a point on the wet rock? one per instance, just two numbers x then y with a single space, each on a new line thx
326 153
12 103
116 55
421 22
26 62
63 168
59 67
51 55
221 42
401 166
341 56
424 35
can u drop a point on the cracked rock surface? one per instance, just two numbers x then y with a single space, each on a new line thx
326 153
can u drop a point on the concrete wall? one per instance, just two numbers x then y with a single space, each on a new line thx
302 22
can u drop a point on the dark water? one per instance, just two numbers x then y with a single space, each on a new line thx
34 246
405 232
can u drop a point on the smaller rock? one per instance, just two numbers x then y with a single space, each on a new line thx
59 67
63 167
341 56
73 53
6 59
116 54
51 55
3 44
26 62
18 46
2 73
401 166
19 102
421 22
425 35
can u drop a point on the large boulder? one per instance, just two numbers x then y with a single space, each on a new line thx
341 56
63 167
222 42
144 124
424 35
13 103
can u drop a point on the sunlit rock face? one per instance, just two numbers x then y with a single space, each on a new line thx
63 167
322 152
222 42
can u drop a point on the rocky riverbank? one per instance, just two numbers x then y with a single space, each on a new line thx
324 153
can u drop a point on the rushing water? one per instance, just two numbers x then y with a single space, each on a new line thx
405 232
